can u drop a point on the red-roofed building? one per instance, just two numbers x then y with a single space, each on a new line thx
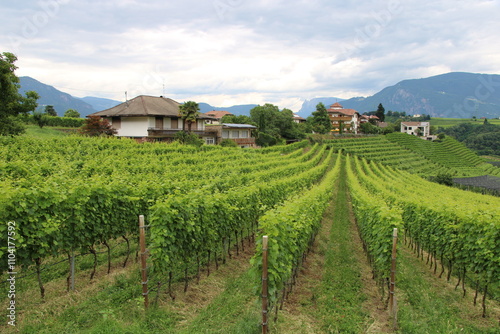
217 116
343 120
367 118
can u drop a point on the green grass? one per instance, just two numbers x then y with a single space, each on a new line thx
46 131
235 310
428 304
447 122
339 296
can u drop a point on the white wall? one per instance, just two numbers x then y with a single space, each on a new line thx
135 126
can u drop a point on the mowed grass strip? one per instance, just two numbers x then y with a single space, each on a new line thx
340 297
428 304
329 296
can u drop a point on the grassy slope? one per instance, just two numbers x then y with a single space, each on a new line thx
45 132
447 122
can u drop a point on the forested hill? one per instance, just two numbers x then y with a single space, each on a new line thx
481 138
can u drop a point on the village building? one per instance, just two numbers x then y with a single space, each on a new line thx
151 118
421 129
298 119
241 134
343 120
216 116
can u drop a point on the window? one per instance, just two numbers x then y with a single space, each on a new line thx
116 122
209 141
225 133
244 134
235 134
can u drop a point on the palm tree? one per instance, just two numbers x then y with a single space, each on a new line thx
189 113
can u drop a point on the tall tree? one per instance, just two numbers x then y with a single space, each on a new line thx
380 113
50 111
321 122
13 104
263 116
189 113
274 126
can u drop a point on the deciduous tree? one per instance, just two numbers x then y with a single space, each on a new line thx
72 113
320 121
13 104
50 111
96 126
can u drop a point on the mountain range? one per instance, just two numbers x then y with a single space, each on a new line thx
450 95
453 95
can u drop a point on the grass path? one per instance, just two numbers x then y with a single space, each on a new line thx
335 292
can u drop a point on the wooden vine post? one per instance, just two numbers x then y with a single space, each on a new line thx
392 299
144 273
264 286
72 285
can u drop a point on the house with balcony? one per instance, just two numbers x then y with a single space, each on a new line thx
241 134
151 118
343 120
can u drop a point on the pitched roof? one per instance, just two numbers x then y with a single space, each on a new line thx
144 105
336 105
218 113
337 108
349 112
295 116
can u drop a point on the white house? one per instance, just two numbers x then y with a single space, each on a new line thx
421 129
152 118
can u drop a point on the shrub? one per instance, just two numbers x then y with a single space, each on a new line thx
228 143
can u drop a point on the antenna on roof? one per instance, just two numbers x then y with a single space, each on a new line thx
126 100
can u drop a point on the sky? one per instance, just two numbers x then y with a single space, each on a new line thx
228 52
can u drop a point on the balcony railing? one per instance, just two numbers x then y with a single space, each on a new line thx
341 118
157 132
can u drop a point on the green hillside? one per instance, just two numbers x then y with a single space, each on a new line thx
448 122
418 156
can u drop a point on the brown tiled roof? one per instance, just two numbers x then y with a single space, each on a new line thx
143 105
298 117
218 113
349 112
337 108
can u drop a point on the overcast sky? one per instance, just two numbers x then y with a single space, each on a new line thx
227 52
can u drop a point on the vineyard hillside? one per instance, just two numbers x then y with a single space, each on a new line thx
107 235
